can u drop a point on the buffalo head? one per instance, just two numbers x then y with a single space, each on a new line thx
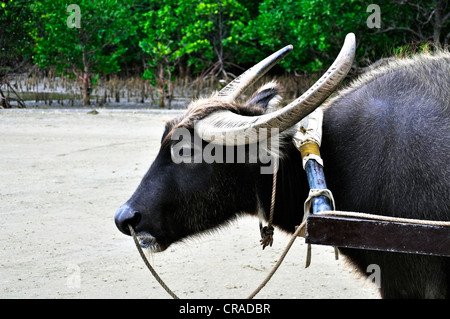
210 166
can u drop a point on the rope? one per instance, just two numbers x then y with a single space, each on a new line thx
345 214
313 193
384 218
161 282
267 231
266 240
277 265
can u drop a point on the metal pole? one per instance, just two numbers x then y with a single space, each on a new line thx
316 180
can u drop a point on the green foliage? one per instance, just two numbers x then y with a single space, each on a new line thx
16 30
104 26
316 29
160 28
213 30
164 36
199 33
94 48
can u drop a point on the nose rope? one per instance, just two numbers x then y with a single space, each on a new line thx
154 273
267 240
251 296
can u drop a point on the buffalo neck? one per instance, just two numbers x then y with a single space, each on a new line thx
291 191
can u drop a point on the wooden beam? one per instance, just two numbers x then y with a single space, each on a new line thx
378 235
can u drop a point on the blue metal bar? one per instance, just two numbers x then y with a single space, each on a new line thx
316 180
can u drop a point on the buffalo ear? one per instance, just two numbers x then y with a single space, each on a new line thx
267 97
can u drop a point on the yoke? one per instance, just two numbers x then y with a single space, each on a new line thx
324 226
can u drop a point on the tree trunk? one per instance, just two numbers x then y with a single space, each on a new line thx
5 101
4 104
86 81
170 90
440 19
161 86
86 93
437 22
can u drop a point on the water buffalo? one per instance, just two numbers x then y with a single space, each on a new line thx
386 149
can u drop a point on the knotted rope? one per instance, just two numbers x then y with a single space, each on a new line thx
267 231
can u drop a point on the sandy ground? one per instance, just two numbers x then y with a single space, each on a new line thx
64 174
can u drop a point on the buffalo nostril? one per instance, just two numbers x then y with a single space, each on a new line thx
125 216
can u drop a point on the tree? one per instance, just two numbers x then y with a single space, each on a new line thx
211 38
86 52
161 27
421 20
197 32
213 34
16 43
317 28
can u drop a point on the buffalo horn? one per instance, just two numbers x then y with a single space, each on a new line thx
236 87
226 127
